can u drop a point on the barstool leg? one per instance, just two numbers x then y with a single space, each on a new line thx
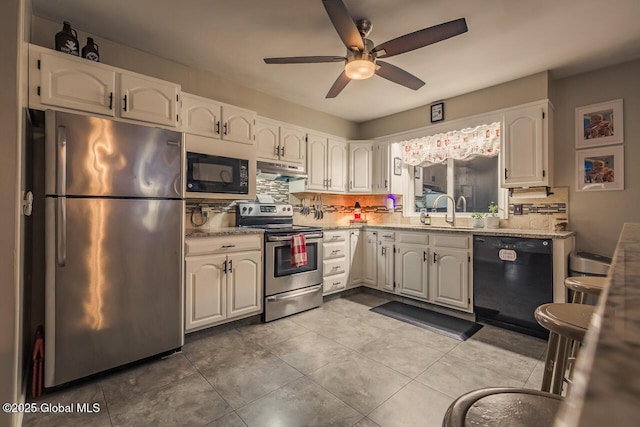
552 350
560 366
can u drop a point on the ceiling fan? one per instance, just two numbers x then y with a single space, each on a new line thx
361 60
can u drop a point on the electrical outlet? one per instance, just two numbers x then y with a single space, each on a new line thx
517 209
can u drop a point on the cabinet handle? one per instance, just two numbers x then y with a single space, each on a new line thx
385 183
218 127
505 173
125 102
383 251
111 101
226 127
335 283
350 185
230 266
282 151
228 246
276 150
424 256
324 182
329 182
224 266
435 257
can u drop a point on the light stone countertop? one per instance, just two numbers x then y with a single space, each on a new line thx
506 232
224 231
606 390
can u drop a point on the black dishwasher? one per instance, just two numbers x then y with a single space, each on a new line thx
511 278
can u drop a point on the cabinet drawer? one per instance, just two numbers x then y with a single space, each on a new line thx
334 266
334 250
334 283
414 238
451 241
212 245
335 236
386 235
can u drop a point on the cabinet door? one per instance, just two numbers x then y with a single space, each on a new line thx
244 286
412 266
148 100
385 266
337 166
381 183
200 116
292 145
370 260
524 148
316 162
360 163
206 291
238 124
355 255
267 140
80 86
450 277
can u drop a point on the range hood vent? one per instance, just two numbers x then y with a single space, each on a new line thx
280 172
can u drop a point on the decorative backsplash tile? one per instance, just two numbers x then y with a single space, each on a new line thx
541 208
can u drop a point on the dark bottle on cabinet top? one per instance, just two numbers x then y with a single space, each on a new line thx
90 51
67 40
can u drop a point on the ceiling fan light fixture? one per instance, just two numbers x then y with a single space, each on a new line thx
359 69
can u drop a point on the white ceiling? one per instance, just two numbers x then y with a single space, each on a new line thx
507 39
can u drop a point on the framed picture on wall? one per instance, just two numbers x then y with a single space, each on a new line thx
600 169
598 125
397 166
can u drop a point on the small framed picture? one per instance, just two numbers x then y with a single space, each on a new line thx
600 169
437 112
598 125
397 166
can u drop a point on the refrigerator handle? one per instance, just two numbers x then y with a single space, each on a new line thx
61 232
61 170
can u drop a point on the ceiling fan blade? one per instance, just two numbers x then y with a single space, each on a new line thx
421 38
398 75
338 85
304 59
343 22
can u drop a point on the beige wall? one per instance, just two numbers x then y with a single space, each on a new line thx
200 82
516 92
10 259
597 217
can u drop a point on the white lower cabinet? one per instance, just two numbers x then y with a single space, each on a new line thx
223 280
450 272
356 243
385 260
412 270
335 263
370 259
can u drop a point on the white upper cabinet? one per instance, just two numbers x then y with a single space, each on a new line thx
277 141
360 165
70 84
149 100
326 164
206 117
527 148
384 176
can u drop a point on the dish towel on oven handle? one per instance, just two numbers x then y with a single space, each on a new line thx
298 250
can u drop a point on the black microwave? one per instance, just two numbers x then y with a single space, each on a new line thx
217 174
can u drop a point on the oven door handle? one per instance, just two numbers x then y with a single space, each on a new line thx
288 238
305 291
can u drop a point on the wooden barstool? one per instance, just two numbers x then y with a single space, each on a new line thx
503 407
583 286
565 323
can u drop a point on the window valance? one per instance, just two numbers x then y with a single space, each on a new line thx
483 140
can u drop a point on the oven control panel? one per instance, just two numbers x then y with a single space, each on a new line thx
255 209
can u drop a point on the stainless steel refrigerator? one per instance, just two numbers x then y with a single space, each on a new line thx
114 223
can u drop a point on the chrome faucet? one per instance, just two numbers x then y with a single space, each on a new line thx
453 203
464 203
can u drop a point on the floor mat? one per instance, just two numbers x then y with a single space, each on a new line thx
450 326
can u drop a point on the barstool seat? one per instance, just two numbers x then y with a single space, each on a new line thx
583 285
502 407
565 323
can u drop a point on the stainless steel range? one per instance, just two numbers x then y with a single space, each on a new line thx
287 290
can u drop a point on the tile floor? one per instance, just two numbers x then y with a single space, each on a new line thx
338 365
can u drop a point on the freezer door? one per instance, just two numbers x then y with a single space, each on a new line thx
114 283
90 156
